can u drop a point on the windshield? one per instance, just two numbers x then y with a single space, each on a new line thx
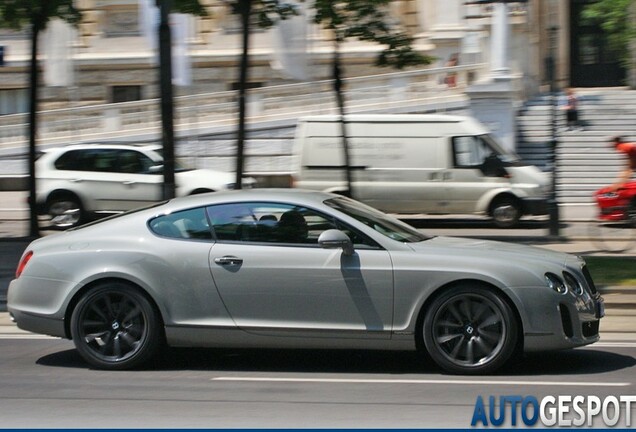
380 222
504 155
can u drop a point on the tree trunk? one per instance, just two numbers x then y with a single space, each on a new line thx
36 26
167 100
246 10
337 85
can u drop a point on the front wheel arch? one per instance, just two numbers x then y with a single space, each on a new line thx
517 351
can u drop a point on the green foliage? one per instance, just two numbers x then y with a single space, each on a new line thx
369 20
16 14
612 271
192 7
266 12
613 17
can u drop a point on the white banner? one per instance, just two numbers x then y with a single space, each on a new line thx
290 45
58 39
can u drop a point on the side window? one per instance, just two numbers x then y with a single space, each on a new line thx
69 161
189 224
102 160
469 151
275 223
133 162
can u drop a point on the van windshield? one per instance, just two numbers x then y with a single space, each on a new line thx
504 155
380 222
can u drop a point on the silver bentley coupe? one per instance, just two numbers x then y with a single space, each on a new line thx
297 269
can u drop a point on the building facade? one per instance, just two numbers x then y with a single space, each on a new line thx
113 59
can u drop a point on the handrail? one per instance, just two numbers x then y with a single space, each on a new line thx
405 90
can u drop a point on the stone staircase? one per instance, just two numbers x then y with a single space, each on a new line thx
585 159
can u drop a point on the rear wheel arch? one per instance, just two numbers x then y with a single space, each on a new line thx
88 287
201 191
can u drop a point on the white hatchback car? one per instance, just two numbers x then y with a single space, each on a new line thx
75 183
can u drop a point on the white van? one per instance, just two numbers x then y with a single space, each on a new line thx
412 163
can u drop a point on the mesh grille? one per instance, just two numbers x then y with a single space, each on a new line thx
588 279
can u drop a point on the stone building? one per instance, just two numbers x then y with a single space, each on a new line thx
113 61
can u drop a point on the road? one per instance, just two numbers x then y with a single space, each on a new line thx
45 384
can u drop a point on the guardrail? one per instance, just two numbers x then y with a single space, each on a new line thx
398 92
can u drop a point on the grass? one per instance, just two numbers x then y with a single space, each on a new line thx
614 271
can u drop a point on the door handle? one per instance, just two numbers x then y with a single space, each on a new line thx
76 180
129 182
228 260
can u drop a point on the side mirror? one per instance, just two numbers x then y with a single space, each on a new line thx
155 169
333 239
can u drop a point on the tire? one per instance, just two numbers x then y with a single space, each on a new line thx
505 211
470 330
115 327
65 211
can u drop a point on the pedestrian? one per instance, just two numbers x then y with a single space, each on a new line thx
451 77
571 108
629 148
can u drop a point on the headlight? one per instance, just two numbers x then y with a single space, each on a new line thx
609 195
554 282
572 283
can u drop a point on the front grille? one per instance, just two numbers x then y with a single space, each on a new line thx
590 328
588 279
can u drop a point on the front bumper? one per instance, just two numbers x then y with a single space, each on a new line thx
535 206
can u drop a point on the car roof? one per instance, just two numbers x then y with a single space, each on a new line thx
116 146
300 196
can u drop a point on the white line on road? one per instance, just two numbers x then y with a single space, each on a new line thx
416 381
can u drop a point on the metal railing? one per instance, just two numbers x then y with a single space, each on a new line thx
410 91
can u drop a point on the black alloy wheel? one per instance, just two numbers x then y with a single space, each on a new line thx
469 329
115 327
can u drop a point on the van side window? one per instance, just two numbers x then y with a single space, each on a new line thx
469 151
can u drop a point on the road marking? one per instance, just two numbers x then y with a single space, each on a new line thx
416 381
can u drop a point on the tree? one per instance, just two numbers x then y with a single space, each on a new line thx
265 12
364 20
614 18
18 14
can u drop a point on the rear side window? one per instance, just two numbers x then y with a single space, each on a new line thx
188 224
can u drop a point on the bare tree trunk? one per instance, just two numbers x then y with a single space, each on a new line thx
246 10
36 26
167 100
337 86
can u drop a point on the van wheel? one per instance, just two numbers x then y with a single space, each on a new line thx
505 211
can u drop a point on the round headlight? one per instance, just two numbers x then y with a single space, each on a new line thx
555 282
572 283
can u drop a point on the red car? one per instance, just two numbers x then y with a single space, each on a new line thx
617 205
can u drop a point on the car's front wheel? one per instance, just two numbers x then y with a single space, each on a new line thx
115 327
470 329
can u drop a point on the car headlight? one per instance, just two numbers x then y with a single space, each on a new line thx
572 283
555 282
609 195
230 186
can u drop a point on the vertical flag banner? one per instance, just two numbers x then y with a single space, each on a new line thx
181 68
290 46
58 39
149 18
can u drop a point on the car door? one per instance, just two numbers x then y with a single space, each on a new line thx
275 280
467 180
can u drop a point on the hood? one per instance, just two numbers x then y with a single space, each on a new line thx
528 174
500 251
204 179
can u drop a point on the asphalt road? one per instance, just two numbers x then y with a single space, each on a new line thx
45 384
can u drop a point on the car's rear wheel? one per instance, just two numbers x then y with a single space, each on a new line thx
65 211
114 326
505 211
470 329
